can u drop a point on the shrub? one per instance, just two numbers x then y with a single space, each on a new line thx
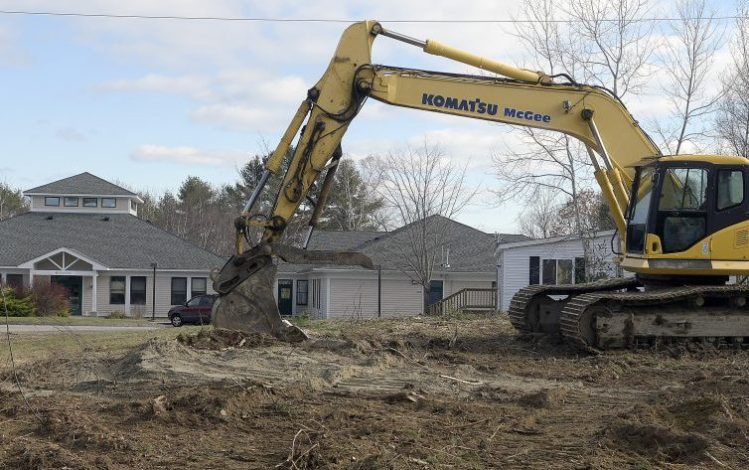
50 299
18 302
116 316
137 311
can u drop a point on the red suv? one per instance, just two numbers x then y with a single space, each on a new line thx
196 310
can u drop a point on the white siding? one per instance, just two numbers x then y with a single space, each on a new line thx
355 297
163 292
452 284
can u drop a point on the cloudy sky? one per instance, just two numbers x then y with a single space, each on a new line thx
149 102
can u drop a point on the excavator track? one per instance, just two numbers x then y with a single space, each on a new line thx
607 320
534 310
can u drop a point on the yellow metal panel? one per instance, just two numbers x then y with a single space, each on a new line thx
551 107
715 159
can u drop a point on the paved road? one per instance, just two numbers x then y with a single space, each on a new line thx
75 328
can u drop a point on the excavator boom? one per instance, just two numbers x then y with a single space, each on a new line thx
619 150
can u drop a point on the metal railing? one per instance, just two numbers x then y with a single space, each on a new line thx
484 300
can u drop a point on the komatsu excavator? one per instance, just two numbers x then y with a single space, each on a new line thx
683 221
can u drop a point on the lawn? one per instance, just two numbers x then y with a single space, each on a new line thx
81 321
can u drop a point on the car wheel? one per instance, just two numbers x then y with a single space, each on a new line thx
177 319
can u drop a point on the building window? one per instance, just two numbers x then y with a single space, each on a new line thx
108 202
533 270
179 290
138 290
70 202
52 201
117 290
14 280
302 287
198 286
564 271
550 271
133 206
90 202
579 270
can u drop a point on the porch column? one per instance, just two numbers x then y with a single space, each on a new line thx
127 295
3 279
31 277
94 307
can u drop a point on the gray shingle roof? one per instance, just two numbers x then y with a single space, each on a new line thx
470 250
322 240
84 183
122 241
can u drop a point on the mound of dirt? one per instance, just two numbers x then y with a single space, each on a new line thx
546 398
219 339
654 440
33 455
79 430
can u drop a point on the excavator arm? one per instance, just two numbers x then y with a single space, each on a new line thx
524 98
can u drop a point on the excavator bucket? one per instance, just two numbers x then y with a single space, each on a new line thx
246 282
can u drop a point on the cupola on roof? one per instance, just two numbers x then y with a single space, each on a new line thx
84 184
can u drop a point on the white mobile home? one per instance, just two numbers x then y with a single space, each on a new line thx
558 260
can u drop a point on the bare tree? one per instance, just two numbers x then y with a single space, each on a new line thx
613 43
352 204
12 202
537 219
605 44
686 62
425 190
733 109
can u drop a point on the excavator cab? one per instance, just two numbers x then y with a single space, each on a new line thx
677 205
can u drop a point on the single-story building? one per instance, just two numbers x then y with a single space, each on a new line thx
464 260
83 232
558 260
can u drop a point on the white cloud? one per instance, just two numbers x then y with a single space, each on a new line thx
195 86
185 156
235 117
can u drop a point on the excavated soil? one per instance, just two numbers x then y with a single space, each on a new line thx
411 394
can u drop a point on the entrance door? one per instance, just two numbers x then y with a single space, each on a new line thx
435 292
74 286
284 296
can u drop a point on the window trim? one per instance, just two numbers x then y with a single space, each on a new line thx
172 291
105 202
47 200
67 199
87 202
122 279
302 295
133 291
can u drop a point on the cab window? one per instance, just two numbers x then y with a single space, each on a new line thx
730 188
682 208
683 189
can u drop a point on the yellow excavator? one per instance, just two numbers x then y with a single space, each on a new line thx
683 221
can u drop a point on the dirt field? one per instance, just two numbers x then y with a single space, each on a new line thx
464 393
